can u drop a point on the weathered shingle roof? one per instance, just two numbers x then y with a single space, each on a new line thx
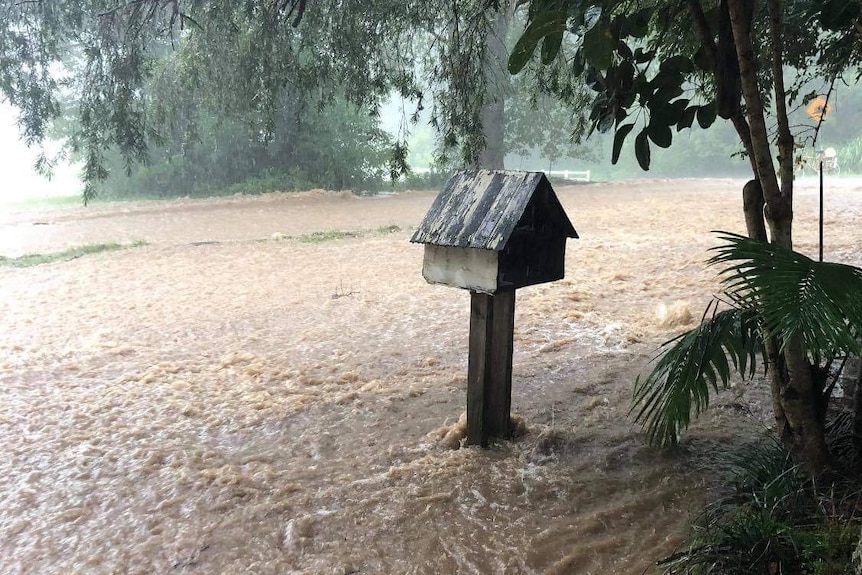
480 209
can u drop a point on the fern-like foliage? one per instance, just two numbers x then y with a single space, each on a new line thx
793 294
774 293
690 366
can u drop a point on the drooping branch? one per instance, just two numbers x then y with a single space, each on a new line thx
825 107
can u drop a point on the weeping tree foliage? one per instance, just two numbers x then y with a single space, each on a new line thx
243 58
656 67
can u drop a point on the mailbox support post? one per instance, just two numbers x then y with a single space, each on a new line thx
489 369
493 232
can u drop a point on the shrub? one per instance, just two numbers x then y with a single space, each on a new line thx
775 521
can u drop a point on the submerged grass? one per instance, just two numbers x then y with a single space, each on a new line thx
319 237
29 260
330 235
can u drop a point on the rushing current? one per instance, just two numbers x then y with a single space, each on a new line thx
238 396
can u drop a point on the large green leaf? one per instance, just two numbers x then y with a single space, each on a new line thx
544 24
686 118
793 294
706 115
659 133
619 138
691 367
642 152
551 47
637 25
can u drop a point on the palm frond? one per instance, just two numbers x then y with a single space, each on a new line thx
793 294
692 364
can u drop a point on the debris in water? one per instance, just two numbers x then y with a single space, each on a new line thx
451 436
677 314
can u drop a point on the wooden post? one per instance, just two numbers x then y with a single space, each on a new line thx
489 371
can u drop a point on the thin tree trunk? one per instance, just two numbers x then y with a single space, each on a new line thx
794 393
497 85
778 213
785 137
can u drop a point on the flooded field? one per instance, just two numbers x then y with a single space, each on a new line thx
241 396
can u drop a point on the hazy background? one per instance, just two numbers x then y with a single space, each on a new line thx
20 182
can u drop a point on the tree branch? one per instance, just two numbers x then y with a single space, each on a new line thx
778 207
823 113
706 35
785 137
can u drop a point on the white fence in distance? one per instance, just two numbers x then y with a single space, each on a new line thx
570 175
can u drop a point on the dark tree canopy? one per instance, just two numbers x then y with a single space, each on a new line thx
656 67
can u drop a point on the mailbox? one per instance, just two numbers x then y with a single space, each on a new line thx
492 232
495 231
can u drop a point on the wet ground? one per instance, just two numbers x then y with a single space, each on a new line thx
235 398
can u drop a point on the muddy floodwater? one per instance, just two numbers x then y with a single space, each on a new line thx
241 396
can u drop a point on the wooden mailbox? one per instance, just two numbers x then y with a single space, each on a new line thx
492 232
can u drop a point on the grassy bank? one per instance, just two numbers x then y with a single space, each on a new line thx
29 260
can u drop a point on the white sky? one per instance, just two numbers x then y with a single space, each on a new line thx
18 180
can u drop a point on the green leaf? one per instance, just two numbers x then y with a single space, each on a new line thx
821 302
677 109
551 47
687 118
642 57
642 152
624 51
544 24
680 65
660 134
706 115
678 387
637 26
606 121
666 93
598 46
619 138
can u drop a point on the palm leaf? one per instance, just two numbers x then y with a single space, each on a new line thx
678 387
793 294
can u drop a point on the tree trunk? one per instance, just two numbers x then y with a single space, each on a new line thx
795 396
496 86
752 207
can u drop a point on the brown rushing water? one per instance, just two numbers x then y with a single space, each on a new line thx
271 406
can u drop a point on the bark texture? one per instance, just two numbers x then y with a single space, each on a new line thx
795 395
752 206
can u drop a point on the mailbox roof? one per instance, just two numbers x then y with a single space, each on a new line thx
481 208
